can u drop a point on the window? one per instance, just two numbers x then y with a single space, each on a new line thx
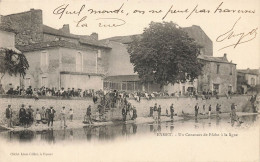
44 81
253 81
231 70
79 62
44 59
99 54
218 69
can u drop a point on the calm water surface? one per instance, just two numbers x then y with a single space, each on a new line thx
127 131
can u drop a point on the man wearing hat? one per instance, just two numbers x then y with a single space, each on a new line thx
30 114
51 113
8 114
63 116
172 111
22 115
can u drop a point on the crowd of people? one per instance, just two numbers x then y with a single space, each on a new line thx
28 116
74 92
45 91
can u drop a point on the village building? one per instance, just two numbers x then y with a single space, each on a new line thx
7 41
219 74
56 57
246 79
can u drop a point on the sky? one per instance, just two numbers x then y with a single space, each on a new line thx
238 26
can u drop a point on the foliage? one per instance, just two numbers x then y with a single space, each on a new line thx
165 54
12 63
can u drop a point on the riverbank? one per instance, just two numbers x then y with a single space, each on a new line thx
79 124
141 120
79 107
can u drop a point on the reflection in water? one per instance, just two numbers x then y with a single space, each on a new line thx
111 132
151 128
134 128
171 128
217 121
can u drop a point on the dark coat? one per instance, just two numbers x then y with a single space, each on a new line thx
51 113
123 111
88 111
172 109
8 113
22 113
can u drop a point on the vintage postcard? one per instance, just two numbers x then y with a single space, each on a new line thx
129 80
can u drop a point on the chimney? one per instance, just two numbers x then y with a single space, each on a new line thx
94 36
225 55
66 28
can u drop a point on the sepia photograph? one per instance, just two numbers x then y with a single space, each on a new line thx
129 80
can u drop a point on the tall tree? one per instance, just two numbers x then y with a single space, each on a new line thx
165 54
12 63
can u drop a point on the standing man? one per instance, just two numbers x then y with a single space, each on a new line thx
8 115
22 115
159 112
196 110
209 110
63 116
134 114
151 111
155 109
124 113
172 111
43 113
89 115
30 111
51 113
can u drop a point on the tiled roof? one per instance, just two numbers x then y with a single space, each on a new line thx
123 39
81 38
46 45
53 31
128 39
214 59
249 71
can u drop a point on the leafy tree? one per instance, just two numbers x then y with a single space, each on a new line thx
12 63
165 54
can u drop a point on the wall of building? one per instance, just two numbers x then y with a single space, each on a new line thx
102 61
223 78
251 79
7 79
7 39
27 24
119 60
36 71
201 38
84 82
88 60
181 87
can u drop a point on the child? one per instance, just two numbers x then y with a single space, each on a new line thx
71 114
38 116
